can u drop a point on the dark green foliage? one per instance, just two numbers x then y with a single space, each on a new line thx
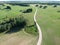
20 10
20 4
3 5
12 23
31 29
36 5
28 10
41 6
1 28
44 7
55 6
24 4
58 11
8 7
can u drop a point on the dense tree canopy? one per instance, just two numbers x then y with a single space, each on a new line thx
12 23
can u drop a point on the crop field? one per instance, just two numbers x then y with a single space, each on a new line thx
22 36
49 20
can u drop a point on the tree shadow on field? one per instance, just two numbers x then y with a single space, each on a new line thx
13 30
16 28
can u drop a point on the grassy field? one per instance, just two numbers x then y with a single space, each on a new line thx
18 38
49 21
21 37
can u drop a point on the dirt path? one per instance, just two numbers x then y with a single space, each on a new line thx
39 29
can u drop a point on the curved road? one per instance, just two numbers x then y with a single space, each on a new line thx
39 29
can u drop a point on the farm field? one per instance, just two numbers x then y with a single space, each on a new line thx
49 21
22 36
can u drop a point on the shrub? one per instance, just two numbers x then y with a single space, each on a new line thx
3 5
36 5
18 21
8 7
41 6
58 11
55 6
1 28
44 7
20 10
31 29
28 10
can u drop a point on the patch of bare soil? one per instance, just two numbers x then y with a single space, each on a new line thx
57 40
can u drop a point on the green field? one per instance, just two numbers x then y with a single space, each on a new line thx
21 37
49 21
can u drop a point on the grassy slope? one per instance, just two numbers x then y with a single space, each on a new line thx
49 20
21 37
13 12
16 11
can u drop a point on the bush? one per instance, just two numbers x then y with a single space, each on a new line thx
36 5
3 5
58 11
8 7
1 28
12 23
28 10
41 6
44 7
55 6
31 29
20 10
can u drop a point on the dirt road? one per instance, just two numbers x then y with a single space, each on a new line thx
39 29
